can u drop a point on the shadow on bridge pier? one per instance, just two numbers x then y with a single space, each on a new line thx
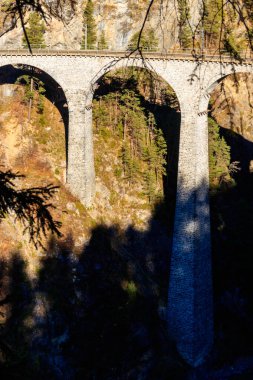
96 315
100 314
169 121
232 243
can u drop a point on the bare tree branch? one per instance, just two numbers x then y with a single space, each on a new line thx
16 10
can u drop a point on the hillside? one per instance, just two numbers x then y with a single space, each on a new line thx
115 24
118 20
114 233
231 104
36 149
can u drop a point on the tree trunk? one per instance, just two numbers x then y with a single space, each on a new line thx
30 101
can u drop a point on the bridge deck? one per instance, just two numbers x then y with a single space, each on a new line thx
207 56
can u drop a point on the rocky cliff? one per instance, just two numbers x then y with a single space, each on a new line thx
117 19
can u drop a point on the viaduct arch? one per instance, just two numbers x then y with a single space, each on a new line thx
10 73
190 286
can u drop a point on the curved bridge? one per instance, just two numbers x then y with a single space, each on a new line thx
192 78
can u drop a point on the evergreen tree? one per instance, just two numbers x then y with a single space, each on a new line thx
102 43
231 46
161 148
31 206
41 96
142 147
212 21
35 32
185 34
219 155
34 91
148 40
129 164
150 188
218 24
90 36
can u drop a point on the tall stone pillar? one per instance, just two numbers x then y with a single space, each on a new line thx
190 314
80 157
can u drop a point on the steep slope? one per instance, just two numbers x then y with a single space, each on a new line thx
118 20
36 149
232 104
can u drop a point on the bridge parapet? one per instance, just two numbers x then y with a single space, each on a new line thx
177 54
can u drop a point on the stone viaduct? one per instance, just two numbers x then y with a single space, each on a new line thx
190 316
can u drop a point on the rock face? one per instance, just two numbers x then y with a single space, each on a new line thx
232 104
117 19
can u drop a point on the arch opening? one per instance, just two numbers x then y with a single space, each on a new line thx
9 75
136 115
231 188
35 118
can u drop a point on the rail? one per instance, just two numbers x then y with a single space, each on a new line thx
176 54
